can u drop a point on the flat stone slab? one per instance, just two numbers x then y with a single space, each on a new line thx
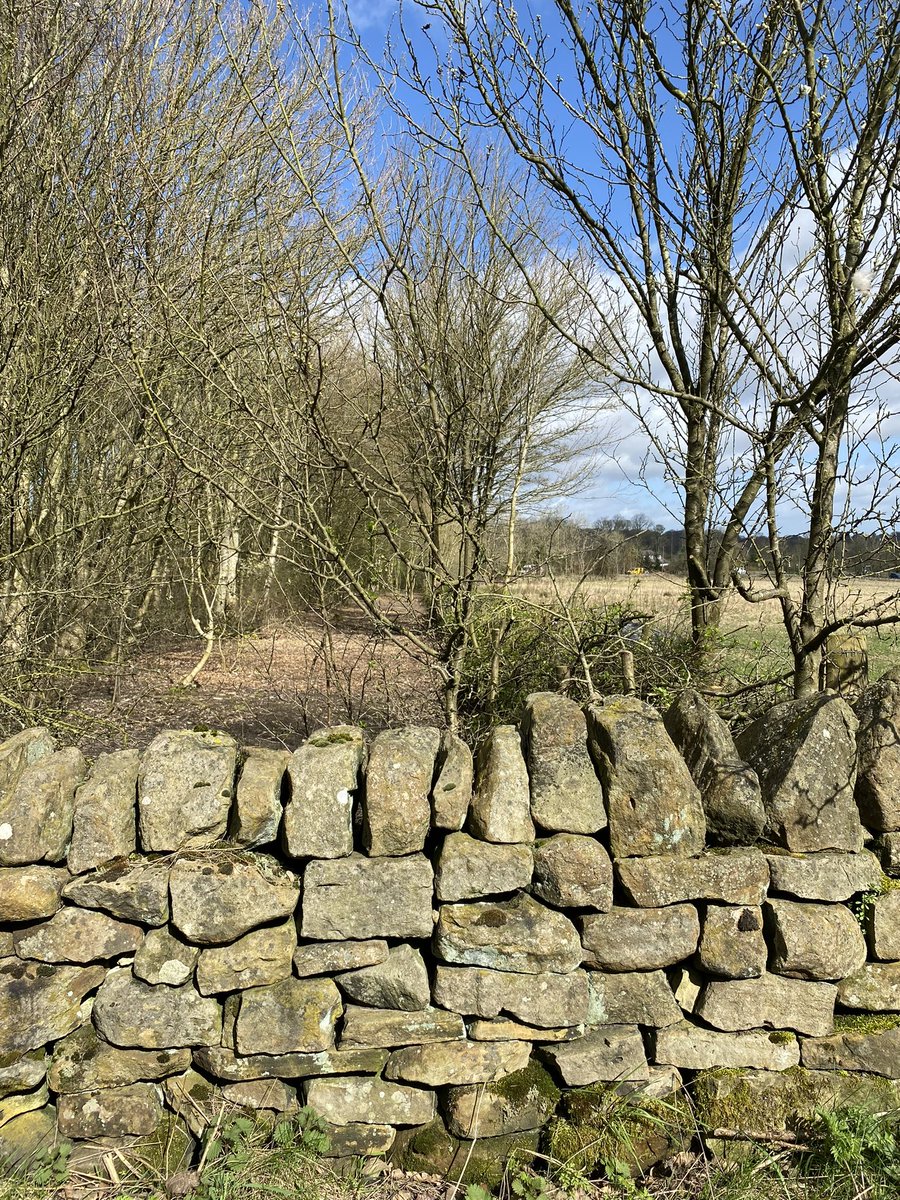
653 804
523 1100
30 893
256 818
185 789
452 791
257 959
546 999
324 779
132 891
814 941
134 1014
769 1002
223 1063
328 958
83 1062
732 945
37 806
610 1054
876 1053
136 1109
725 876
828 875
468 868
293 1016
164 958
78 935
22 1074
875 987
397 800
878 747
631 998
357 1140
40 1002
571 871
693 1048
501 806
361 898
729 789
352 1099
368 1027
399 982
105 818
510 935
883 926
216 898
502 1029
566 794
640 939
804 753
462 1062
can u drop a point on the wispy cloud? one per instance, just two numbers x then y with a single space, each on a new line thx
369 14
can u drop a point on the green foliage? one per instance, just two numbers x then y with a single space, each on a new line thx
519 646
854 1152
248 1155
51 1168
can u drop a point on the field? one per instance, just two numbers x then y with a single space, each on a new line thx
273 686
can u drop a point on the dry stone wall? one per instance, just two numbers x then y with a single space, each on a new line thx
427 950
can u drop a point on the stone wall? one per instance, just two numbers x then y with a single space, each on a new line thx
423 949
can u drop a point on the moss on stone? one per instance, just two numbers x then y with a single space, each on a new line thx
865 1022
330 739
518 1086
781 1037
601 1126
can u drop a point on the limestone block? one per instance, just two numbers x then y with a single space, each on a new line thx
136 1109
432 1151
724 876
360 898
642 939
185 789
357 1140
37 806
612 1053
571 871
324 777
883 926
256 818
164 958
467 868
732 945
397 802
502 1029
565 792
222 1063
133 891
828 876
78 935
452 791
293 1016
16 1104
40 1003
217 898
258 958
328 958
22 1073
875 987
25 1138
460 1062
876 1052
729 789
30 893
814 941
353 1099
691 1047
501 807
888 847
377 1027
769 1002
547 999
686 985
631 998
804 753
653 804
270 1095
878 746
131 1013
83 1062
399 982
508 935
105 819
21 751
